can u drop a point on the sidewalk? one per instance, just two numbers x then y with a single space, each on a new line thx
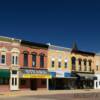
46 92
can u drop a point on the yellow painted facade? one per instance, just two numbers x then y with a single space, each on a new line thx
84 56
97 64
56 55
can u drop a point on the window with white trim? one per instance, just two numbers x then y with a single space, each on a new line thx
15 59
3 59
65 64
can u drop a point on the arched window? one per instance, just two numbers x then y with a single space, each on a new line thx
66 61
15 56
3 55
42 60
90 63
73 59
52 62
85 64
34 59
25 58
80 64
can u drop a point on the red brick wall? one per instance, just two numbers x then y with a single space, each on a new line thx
30 50
9 47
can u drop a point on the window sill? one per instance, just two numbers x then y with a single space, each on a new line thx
3 64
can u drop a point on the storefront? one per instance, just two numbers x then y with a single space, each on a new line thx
85 80
60 80
4 79
33 79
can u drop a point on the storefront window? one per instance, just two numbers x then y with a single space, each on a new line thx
4 81
43 82
23 82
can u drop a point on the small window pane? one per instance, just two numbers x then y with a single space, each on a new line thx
3 59
59 64
15 81
14 72
65 64
53 63
12 81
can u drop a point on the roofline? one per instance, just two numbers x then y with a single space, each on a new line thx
24 42
12 39
59 47
83 52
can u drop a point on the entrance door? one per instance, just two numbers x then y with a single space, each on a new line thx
33 84
14 80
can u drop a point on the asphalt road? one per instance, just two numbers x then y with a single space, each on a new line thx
76 96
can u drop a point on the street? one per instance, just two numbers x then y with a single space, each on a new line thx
74 96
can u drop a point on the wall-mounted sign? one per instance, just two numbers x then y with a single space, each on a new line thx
59 73
34 73
36 76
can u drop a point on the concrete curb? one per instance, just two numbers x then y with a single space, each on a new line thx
45 92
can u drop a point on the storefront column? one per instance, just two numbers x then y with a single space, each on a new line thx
47 84
95 81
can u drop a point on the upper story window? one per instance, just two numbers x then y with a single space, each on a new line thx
59 64
25 58
3 58
42 60
66 63
15 55
3 55
34 59
85 63
90 64
52 62
97 68
80 63
73 59
15 59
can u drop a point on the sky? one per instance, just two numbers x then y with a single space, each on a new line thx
59 22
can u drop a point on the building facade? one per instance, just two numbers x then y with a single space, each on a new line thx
97 71
83 65
59 67
28 65
33 65
9 61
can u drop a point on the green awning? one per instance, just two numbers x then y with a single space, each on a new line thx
4 73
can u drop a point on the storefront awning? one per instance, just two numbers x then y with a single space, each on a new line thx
86 76
4 73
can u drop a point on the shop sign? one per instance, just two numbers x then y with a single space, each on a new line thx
59 73
34 71
36 76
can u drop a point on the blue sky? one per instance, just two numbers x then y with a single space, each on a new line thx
59 22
